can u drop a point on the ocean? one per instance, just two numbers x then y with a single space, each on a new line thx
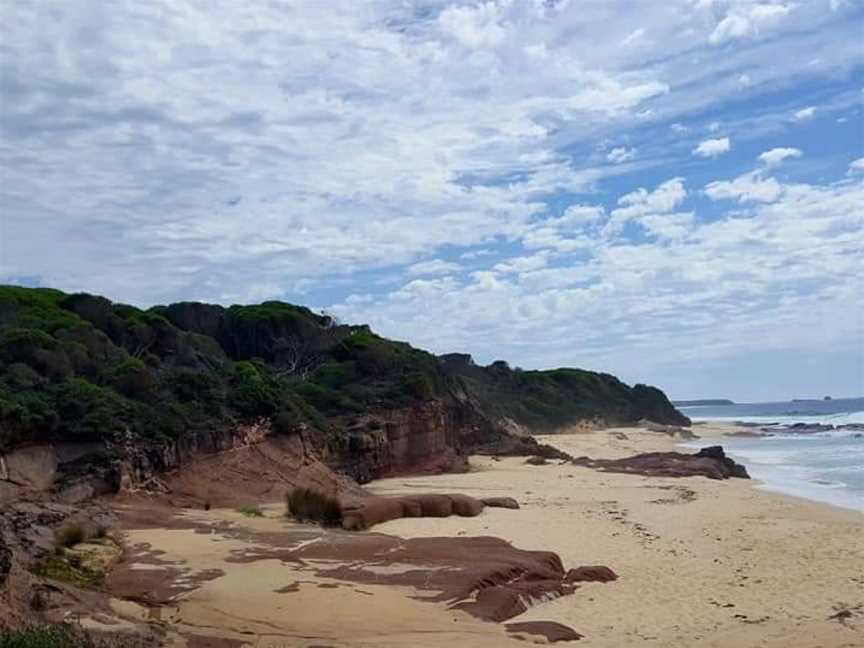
823 466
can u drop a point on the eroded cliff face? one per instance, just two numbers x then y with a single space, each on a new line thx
229 464
430 437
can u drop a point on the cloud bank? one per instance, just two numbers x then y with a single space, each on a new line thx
520 179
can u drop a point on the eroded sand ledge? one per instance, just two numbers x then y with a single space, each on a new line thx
701 562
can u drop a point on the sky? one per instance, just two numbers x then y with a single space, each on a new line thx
672 192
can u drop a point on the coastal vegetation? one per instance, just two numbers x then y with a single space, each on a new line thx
62 636
68 569
77 367
251 511
69 536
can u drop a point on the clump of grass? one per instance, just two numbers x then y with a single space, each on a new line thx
251 511
56 568
308 505
44 636
64 636
70 535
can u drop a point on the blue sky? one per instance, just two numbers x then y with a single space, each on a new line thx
668 191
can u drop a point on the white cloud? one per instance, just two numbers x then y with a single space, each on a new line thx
779 276
746 21
664 198
433 267
714 127
777 155
750 187
804 114
713 147
643 205
634 38
476 26
856 166
476 254
577 214
621 154
314 145
522 264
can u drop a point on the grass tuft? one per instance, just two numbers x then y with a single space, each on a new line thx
70 535
307 505
251 511
56 568
64 636
42 637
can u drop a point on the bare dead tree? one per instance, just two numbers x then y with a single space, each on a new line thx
295 357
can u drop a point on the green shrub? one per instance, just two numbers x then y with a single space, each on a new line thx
65 636
132 377
308 505
60 569
46 636
251 511
253 393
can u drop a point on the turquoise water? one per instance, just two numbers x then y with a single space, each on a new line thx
825 466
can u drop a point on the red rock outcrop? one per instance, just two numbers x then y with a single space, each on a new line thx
591 573
550 630
501 502
363 513
709 462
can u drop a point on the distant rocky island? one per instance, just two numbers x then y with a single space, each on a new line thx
704 401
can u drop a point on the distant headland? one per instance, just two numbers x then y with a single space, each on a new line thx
705 401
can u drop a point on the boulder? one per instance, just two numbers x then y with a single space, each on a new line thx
550 630
590 573
369 511
501 502
466 506
710 462
435 505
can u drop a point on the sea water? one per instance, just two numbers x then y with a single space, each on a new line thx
823 466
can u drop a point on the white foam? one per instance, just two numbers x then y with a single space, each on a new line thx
798 471
842 418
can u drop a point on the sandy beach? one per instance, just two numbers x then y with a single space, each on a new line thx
700 563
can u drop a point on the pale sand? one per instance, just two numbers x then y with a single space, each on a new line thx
701 562
243 604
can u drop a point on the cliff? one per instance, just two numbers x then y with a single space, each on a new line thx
96 394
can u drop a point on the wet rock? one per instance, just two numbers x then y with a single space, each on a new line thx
671 430
536 461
